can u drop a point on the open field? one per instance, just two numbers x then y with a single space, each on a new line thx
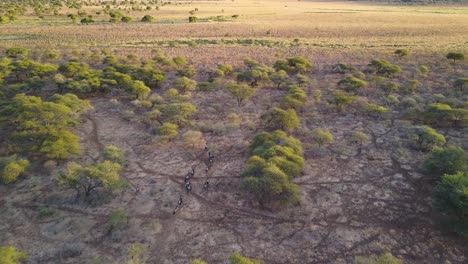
358 194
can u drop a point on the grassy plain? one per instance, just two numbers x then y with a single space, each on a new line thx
328 26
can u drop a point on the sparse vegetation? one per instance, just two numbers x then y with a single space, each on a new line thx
263 128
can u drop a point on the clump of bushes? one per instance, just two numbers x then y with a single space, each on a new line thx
275 160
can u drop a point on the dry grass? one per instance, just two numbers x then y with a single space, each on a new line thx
318 25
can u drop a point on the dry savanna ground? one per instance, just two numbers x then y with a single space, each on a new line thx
354 202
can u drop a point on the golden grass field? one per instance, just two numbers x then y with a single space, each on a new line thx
331 27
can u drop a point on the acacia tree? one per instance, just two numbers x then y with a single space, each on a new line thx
86 179
279 77
240 91
341 100
456 56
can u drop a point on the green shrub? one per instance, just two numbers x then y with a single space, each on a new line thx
9 255
114 154
449 160
384 68
168 131
450 198
278 118
352 84
386 258
147 18
12 167
402 52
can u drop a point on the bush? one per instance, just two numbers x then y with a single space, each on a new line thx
295 98
402 52
322 136
126 19
17 53
374 110
384 68
352 84
114 154
193 19
11 167
388 87
386 258
168 131
9 255
449 160
278 118
426 138
147 18
450 198
237 258
193 139
185 84
118 219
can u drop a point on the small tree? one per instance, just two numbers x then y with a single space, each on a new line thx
193 19
240 91
460 84
450 198
9 255
279 77
388 87
322 136
456 56
359 138
86 179
447 160
140 89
